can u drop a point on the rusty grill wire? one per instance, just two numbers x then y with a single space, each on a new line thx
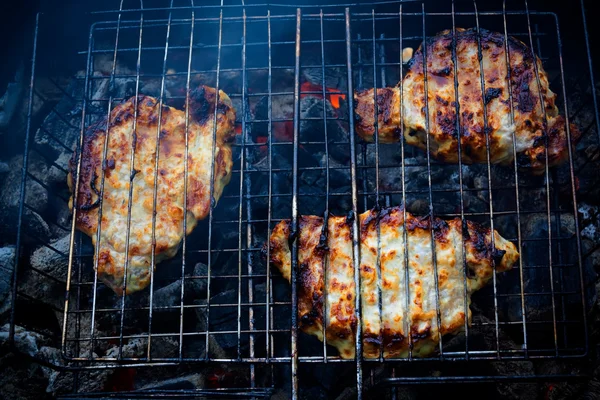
253 57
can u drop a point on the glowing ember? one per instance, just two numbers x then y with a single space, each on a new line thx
334 96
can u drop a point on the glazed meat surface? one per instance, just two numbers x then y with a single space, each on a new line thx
528 125
170 212
326 288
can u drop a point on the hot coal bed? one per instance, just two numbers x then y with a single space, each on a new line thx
220 317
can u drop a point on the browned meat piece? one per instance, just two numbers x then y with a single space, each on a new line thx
529 128
170 186
326 278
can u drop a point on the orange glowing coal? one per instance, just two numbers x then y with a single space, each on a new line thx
333 95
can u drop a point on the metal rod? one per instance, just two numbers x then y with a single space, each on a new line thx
547 177
377 205
155 188
460 184
249 227
326 215
489 170
212 179
132 175
76 189
407 314
294 222
431 217
572 174
269 291
185 185
243 167
355 221
516 170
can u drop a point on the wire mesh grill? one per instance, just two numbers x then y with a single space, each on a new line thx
290 161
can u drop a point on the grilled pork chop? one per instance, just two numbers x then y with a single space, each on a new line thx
326 278
529 129
169 201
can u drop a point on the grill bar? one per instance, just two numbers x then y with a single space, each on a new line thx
75 197
516 170
460 178
102 180
547 175
326 216
489 167
377 205
355 216
185 187
269 288
430 209
295 231
571 166
404 231
157 151
132 173
212 177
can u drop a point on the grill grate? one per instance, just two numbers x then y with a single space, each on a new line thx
247 313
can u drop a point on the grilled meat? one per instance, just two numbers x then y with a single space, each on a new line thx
326 278
529 128
123 134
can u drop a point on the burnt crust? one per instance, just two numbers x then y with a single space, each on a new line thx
388 114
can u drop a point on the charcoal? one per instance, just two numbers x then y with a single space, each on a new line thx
61 128
198 286
187 382
7 255
25 341
334 78
11 98
53 260
36 196
225 318
32 223
170 295
61 381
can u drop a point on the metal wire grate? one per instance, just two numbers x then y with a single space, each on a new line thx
253 55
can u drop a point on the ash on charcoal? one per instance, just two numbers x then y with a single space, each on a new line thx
53 260
7 258
224 318
590 223
36 196
187 382
11 98
199 286
170 295
25 341
60 129
87 381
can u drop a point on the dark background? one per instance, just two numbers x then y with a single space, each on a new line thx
17 22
